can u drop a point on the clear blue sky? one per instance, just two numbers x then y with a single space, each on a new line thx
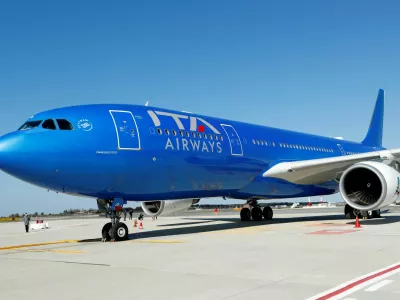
312 66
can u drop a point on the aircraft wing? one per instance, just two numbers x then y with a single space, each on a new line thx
315 171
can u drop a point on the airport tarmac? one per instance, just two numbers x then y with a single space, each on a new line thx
301 254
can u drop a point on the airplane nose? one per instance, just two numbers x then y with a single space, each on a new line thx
5 145
9 150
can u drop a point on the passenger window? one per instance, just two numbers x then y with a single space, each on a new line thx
193 134
180 133
159 130
30 125
205 136
166 131
187 133
210 136
221 138
64 124
49 124
174 132
199 135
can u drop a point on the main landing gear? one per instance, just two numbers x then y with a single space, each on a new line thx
252 210
352 213
114 230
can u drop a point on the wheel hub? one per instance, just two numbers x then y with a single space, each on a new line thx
121 232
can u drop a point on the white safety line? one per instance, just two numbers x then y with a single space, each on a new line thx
359 283
377 286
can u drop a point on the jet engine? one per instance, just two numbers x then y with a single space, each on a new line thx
167 207
370 185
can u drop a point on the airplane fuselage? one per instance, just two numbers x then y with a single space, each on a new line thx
143 153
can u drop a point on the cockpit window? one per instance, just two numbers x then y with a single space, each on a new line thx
64 124
30 125
49 124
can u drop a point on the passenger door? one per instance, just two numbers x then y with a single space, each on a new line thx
341 149
234 139
126 128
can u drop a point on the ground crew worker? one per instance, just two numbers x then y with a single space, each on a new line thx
130 214
26 222
124 214
141 216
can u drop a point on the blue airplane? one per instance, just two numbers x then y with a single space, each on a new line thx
169 160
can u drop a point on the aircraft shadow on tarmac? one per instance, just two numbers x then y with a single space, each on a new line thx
185 223
236 223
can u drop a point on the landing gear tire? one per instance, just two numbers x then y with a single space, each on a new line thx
256 214
245 214
349 216
120 232
105 232
376 214
268 213
349 212
365 215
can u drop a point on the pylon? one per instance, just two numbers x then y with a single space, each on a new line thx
141 225
357 223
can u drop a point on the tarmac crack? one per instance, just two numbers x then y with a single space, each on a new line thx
268 283
65 262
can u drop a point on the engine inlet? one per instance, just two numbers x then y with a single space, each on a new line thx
363 186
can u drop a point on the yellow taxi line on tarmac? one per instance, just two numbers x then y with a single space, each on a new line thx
38 244
159 241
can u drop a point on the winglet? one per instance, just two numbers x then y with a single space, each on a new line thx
374 135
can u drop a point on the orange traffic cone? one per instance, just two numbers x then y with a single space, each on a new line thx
135 223
357 223
141 225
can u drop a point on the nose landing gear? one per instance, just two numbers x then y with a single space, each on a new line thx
252 210
114 230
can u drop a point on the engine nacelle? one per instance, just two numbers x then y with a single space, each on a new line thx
370 185
167 207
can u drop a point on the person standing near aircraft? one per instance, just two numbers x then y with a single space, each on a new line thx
124 214
141 216
26 219
130 214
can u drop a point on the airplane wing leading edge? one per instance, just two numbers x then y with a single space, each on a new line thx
321 170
